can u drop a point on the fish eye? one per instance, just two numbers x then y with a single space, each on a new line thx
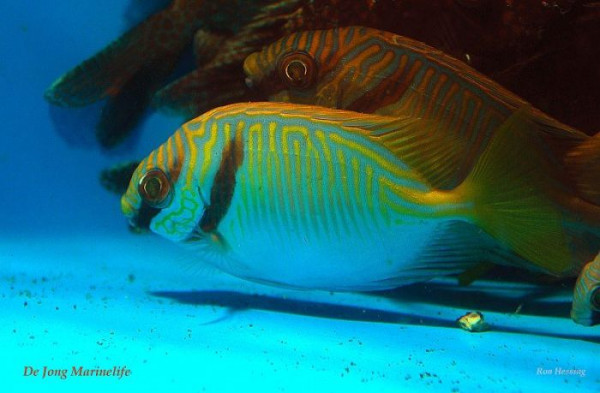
297 70
155 188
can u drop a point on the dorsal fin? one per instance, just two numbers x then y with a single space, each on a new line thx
425 146
421 143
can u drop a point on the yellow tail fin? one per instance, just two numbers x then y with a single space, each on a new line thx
509 186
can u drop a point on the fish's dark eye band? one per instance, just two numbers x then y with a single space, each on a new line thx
297 70
155 188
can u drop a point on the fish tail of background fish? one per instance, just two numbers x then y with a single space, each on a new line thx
162 37
508 187
219 79
586 296
584 164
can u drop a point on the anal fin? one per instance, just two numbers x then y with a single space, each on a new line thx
455 247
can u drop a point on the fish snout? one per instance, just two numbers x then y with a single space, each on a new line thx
141 221
138 219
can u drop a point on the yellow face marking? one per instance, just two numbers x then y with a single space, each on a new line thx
181 220
170 153
160 155
150 161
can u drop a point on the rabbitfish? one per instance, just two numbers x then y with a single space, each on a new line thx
373 71
311 197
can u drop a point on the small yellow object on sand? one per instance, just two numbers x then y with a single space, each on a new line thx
473 322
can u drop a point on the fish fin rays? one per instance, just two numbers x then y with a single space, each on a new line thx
508 186
456 247
421 143
583 162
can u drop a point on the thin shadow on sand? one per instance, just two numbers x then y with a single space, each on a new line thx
237 302
542 301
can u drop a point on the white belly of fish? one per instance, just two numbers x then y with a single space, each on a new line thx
273 252
324 218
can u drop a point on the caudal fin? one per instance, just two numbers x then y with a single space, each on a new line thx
583 163
509 187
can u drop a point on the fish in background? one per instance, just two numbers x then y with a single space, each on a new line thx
138 69
373 71
319 198
139 10
130 70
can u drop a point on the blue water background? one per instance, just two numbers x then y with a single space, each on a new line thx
77 288
52 185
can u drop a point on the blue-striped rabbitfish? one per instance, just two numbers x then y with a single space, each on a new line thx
373 71
311 197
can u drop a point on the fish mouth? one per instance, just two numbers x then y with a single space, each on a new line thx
134 228
141 221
